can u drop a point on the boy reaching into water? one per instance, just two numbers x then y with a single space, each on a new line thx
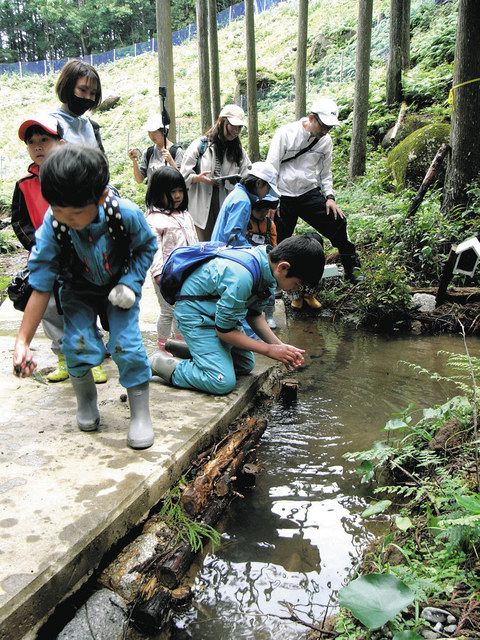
100 248
215 299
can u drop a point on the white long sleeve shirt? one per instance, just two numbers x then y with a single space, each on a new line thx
310 170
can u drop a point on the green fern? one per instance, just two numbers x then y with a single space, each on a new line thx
187 530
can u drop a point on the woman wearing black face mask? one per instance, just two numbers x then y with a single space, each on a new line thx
79 90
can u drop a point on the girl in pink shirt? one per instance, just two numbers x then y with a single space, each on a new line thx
167 215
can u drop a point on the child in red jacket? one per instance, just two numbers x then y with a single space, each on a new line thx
42 134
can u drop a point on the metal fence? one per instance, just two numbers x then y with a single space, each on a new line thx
43 67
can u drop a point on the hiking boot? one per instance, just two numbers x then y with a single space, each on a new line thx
99 375
355 276
312 302
60 373
163 365
140 432
297 303
88 417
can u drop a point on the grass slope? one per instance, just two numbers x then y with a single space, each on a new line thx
135 80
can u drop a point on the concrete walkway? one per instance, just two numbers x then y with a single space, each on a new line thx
66 496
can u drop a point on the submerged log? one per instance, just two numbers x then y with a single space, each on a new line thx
196 495
173 567
151 615
288 391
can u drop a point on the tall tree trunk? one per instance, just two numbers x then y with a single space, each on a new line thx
203 65
251 81
214 64
394 70
358 149
301 68
165 62
406 35
464 163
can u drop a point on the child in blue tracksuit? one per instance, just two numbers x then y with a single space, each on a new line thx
233 217
101 266
213 328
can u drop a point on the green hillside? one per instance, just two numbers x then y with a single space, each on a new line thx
135 80
396 254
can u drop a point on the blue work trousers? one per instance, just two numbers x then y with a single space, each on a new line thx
83 347
214 364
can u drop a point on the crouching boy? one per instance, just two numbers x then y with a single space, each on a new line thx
215 299
100 248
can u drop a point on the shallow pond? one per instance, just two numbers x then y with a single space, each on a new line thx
296 536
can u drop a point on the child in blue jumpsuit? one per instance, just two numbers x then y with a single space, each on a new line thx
96 280
213 328
232 221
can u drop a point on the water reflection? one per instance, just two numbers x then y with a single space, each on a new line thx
297 535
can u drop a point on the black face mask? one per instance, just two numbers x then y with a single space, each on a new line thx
78 105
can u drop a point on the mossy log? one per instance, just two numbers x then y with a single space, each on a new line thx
108 103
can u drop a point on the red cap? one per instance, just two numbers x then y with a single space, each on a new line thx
45 121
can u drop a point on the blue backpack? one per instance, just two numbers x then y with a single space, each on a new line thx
184 260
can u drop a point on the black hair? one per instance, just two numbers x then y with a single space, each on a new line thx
250 183
161 183
232 149
305 255
71 72
39 130
74 175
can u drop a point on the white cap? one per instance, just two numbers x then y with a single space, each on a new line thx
326 109
154 123
234 114
267 172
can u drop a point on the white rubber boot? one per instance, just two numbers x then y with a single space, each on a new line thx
163 365
140 433
88 417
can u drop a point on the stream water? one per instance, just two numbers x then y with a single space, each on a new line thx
296 536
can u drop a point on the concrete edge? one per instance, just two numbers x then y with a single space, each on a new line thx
25 621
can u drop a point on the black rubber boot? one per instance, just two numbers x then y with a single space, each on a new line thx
140 433
88 417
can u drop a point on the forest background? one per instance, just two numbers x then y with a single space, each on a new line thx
397 255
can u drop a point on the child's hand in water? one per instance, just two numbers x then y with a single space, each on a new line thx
23 363
286 353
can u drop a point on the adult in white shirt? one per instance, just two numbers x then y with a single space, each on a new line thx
302 154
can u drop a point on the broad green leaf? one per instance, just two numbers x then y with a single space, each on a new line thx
375 599
376 507
403 522
407 635
430 413
366 470
471 503
395 424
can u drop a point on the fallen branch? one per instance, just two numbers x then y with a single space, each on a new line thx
430 176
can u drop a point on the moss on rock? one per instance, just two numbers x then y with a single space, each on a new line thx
410 159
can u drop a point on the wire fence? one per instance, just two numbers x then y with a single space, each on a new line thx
43 67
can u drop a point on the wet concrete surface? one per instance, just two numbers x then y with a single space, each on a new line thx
67 496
